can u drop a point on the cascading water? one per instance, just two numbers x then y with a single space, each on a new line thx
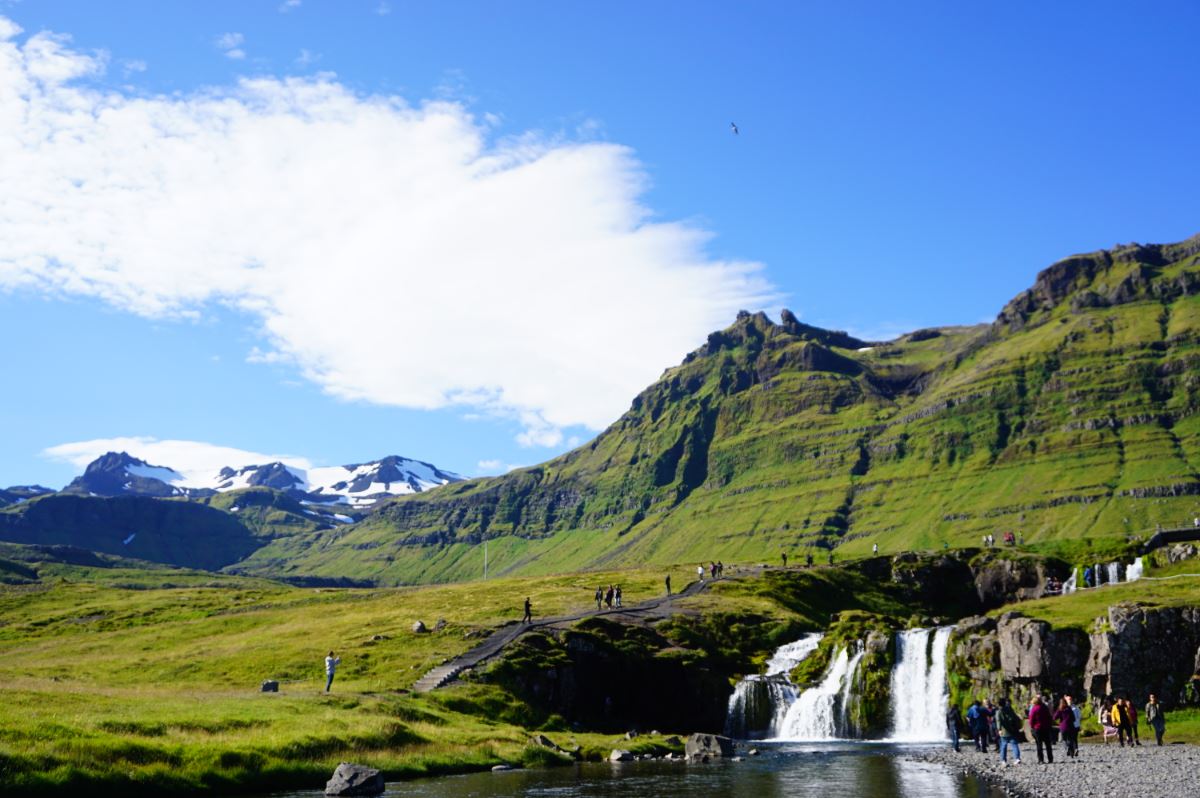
1114 572
819 713
918 685
1072 584
1134 572
759 703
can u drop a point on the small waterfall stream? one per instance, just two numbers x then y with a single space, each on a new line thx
759 703
919 693
819 713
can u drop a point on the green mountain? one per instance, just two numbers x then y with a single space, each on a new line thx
1073 415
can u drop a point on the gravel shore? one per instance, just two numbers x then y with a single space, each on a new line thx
1100 771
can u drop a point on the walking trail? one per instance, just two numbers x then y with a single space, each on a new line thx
651 610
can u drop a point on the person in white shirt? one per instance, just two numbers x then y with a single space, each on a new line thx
331 663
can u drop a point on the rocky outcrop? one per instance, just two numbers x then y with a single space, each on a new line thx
1138 650
1016 657
1000 580
350 779
703 747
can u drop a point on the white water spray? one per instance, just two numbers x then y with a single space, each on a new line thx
1114 573
819 712
759 703
1134 572
919 693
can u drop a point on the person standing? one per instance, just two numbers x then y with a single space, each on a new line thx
1010 732
954 722
331 663
1065 719
1120 719
528 618
1041 722
700 572
600 593
1078 714
978 726
667 580
1155 718
608 597
785 559
874 548
617 595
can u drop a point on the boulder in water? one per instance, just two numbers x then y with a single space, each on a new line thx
708 746
620 755
351 779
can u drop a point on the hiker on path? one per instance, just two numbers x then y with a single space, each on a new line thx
700 572
1065 718
617 596
331 663
1042 724
785 559
600 594
1010 732
874 548
528 612
989 715
1155 718
668 581
608 597
954 722
810 559
1073 746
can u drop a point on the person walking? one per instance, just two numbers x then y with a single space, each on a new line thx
1078 726
1065 718
617 596
1010 732
1041 722
528 612
874 548
954 722
700 572
785 559
608 597
1120 719
668 581
331 663
1132 710
989 717
600 593
978 726
1155 719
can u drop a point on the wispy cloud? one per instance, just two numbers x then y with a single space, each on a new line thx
307 58
196 460
132 66
230 44
393 253
486 467
289 5
383 8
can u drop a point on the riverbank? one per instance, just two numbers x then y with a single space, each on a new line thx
1169 771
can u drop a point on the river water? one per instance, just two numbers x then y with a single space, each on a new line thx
791 770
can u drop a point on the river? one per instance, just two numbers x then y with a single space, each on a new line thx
794 770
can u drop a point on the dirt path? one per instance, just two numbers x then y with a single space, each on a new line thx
645 611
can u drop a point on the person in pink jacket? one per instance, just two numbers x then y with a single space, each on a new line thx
1041 722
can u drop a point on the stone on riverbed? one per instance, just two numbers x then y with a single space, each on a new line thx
351 779
708 746
619 755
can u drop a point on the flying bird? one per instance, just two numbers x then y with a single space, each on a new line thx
733 127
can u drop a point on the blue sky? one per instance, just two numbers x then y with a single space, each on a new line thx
898 166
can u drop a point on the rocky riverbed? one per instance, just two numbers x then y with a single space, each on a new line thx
1172 771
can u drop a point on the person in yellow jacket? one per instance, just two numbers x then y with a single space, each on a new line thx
1120 719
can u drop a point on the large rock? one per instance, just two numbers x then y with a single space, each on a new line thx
1017 657
708 746
1000 580
270 686
351 779
620 755
1141 650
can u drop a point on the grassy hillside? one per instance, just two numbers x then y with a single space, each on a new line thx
1072 417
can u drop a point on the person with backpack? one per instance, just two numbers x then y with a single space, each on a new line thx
1041 723
978 726
1010 732
1155 718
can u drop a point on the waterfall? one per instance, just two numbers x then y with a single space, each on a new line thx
1134 571
919 693
759 703
1114 572
1071 585
819 713
1096 571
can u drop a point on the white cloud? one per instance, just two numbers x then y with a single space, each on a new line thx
307 57
384 8
289 5
132 66
231 45
496 467
393 253
196 460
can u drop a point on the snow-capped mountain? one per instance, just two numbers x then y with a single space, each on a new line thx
358 485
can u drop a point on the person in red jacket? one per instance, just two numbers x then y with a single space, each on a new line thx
1042 724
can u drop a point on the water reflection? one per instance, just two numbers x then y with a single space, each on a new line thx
791 770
